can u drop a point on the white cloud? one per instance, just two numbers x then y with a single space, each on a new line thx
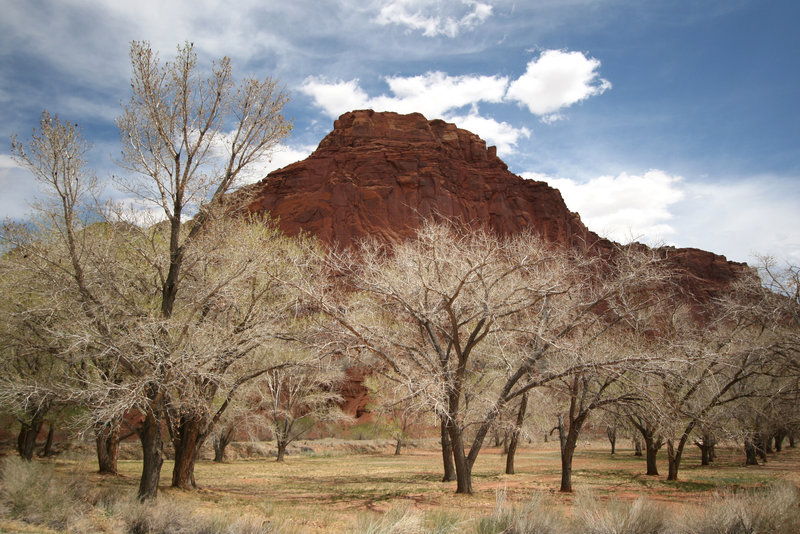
556 80
282 156
433 17
433 94
742 218
501 134
623 207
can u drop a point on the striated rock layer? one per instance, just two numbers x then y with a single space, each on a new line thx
381 174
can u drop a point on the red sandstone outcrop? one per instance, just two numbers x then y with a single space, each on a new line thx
381 174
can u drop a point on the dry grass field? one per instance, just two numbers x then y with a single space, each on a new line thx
330 488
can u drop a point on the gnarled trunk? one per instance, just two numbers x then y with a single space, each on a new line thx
107 445
186 442
568 438
447 455
282 444
750 452
26 440
152 456
463 467
221 440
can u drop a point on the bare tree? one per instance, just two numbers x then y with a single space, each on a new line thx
189 137
466 319
297 397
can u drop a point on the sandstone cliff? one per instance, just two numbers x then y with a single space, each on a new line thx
381 174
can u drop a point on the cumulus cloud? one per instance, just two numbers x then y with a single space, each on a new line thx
433 94
434 18
623 207
501 134
555 80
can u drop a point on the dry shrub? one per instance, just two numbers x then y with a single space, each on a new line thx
32 492
536 516
775 510
395 521
641 517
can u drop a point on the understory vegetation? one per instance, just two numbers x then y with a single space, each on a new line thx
247 497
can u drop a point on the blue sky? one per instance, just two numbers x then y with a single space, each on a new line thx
667 121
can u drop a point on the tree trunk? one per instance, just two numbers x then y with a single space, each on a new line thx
779 437
282 444
221 440
186 442
447 455
107 444
611 432
47 450
463 468
514 441
674 454
637 447
152 457
652 445
791 440
706 446
568 444
398 446
26 440
751 457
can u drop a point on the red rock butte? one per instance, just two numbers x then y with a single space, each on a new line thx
382 174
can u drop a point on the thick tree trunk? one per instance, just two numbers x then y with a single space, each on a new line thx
282 444
186 442
674 454
152 457
107 445
26 440
751 456
651 446
514 441
779 437
463 468
791 440
568 440
221 440
706 446
447 455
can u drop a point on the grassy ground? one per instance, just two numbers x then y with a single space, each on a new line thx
330 489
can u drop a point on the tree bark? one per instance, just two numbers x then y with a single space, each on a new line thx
447 455
611 432
152 456
569 441
706 446
674 454
513 442
751 457
107 446
186 442
637 447
26 440
282 444
47 450
779 437
398 446
221 440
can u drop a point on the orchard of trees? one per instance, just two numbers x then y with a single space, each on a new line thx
202 320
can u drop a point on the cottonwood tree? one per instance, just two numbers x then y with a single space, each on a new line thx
187 137
58 261
466 319
296 397
397 406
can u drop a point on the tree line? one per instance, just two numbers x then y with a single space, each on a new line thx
202 316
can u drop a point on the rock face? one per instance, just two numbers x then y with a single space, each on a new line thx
381 174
